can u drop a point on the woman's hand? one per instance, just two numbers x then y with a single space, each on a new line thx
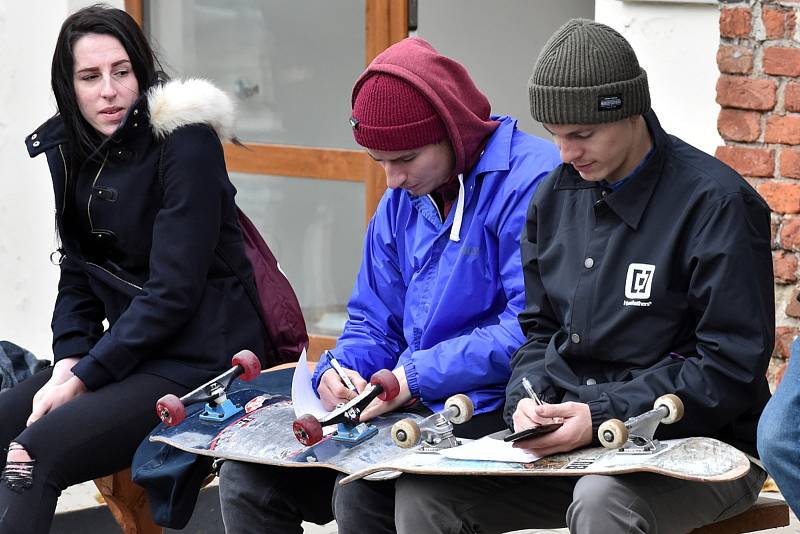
575 432
62 387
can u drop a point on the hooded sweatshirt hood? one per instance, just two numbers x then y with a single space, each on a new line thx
463 108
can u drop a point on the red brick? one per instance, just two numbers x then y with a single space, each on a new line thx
793 308
790 233
774 22
735 59
784 265
784 335
773 232
791 96
781 196
736 125
780 61
790 163
784 129
735 22
746 93
779 372
748 161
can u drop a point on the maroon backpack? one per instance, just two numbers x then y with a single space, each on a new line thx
275 301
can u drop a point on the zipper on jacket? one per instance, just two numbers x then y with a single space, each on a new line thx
91 193
114 275
58 242
436 207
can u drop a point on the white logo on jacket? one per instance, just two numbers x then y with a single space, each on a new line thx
638 283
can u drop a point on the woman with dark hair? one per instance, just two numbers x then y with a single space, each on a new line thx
152 297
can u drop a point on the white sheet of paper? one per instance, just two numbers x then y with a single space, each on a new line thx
489 449
303 397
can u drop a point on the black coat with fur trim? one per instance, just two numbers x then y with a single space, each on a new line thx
157 252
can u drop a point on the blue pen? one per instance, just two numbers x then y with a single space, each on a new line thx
338 368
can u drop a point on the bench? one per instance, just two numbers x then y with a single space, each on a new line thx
765 513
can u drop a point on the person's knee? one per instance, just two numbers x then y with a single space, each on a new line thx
237 479
18 471
604 503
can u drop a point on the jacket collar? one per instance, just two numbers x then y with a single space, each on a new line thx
630 201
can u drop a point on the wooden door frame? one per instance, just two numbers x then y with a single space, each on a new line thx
386 22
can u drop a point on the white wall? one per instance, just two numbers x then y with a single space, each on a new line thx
28 31
676 44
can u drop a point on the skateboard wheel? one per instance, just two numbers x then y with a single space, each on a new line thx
463 407
307 429
674 406
386 379
405 433
612 434
170 410
251 367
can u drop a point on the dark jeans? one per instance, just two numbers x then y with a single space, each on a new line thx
258 498
261 498
91 436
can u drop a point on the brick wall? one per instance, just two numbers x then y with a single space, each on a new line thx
759 92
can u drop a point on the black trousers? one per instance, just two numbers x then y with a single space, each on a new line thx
91 436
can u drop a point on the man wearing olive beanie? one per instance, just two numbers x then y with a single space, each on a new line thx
648 271
440 286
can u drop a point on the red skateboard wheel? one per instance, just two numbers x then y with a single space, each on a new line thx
386 379
170 410
307 429
250 365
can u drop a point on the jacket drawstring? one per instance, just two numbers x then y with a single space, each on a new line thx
459 214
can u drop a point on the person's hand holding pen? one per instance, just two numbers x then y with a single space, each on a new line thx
338 384
575 432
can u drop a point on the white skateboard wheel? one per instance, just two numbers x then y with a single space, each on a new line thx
405 433
463 407
674 407
612 434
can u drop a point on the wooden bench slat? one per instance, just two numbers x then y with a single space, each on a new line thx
765 513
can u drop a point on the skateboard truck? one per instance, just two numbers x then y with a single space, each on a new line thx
308 429
172 410
436 430
635 436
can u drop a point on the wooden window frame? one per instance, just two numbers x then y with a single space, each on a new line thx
386 22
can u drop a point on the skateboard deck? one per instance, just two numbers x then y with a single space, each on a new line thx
696 458
263 434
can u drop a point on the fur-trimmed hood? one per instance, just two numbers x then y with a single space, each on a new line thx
180 102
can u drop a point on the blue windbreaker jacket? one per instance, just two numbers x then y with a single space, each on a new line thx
447 310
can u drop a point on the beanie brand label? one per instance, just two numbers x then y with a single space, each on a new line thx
609 103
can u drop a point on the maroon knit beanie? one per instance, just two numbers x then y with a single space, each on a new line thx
390 114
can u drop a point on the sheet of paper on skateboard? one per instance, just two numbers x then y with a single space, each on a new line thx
303 397
489 449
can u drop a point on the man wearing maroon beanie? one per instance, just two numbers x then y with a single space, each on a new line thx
440 285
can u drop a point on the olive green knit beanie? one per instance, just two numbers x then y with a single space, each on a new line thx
587 73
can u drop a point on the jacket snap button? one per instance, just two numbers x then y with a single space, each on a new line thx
135 124
575 338
36 143
135 111
34 136
588 263
591 381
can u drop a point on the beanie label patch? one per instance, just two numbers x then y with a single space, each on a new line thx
609 103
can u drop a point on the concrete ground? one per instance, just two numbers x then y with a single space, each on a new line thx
79 512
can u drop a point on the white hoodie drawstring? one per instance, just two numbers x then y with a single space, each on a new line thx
459 214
